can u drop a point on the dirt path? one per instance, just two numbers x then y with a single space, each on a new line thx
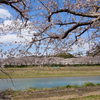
69 96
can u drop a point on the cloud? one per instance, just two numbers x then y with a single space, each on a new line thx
4 13
85 47
7 22
14 38
12 34
11 38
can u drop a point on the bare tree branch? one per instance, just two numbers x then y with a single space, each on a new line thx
9 2
79 24
76 37
75 26
19 11
14 7
94 15
8 76
43 4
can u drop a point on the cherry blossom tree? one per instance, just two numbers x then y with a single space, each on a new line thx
49 26
54 25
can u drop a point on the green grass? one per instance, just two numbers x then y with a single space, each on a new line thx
76 86
51 72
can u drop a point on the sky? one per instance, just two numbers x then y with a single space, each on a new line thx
5 15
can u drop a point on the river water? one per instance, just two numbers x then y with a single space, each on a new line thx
24 83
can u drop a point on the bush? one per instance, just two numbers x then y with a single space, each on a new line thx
77 65
88 84
68 86
74 86
15 66
98 84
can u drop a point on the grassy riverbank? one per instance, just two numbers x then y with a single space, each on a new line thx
86 92
74 92
51 72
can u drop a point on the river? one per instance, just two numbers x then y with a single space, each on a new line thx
24 83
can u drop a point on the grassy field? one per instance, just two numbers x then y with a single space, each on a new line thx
52 72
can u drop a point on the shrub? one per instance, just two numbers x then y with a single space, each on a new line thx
98 84
15 66
74 86
88 84
68 86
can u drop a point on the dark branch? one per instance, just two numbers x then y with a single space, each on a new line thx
74 13
15 8
19 12
9 2
75 26
84 31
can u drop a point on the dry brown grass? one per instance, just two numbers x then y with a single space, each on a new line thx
52 72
